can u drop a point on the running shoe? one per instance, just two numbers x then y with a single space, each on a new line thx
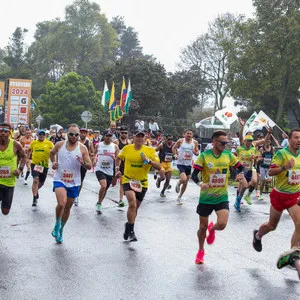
37 195
169 187
59 238
34 202
177 187
55 231
158 183
237 204
76 201
256 242
260 197
288 258
248 200
99 208
155 176
121 203
126 232
179 202
211 234
132 237
162 195
200 257
25 182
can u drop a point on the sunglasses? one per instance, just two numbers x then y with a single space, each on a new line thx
124 132
3 129
73 134
223 143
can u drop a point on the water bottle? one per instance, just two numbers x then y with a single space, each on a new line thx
145 162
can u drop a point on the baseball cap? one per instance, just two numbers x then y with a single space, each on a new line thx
41 131
249 137
107 132
137 132
83 129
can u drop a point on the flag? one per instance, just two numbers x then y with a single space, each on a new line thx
226 116
260 121
248 123
128 98
105 95
112 116
123 95
112 101
118 113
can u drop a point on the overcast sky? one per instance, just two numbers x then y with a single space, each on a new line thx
164 26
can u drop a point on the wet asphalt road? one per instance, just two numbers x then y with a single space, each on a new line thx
95 263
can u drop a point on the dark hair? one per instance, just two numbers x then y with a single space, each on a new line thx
293 130
6 125
73 125
218 133
189 129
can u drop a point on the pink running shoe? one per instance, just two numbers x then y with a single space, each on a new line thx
200 257
211 234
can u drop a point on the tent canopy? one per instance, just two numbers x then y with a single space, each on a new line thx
212 122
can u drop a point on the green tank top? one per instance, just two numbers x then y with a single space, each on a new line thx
8 164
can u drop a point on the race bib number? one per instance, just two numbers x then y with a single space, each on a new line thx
187 156
39 169
105 164
294 176
135 185
217 180
4 172
267 161
68 176
168 157
26 147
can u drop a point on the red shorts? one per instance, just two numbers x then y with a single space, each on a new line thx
282 201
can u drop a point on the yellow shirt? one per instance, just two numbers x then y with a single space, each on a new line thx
134 168
41 152
245 156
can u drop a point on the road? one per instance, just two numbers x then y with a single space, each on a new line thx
95 263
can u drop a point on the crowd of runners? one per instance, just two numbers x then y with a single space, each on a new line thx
116 154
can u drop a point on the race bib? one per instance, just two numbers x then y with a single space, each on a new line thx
267 161
187 156
217 180
105 164
4 172
39 169
26 147
68 176
168 157
294 176
135 185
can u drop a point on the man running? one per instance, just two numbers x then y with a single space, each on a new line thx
138 160
184 149
67 157
25 141
11 155
121 142
214 164
40 151
104 162
286 169
166 156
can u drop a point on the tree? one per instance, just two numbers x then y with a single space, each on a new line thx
209 54
64 102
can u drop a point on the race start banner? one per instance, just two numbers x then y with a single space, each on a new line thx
18 101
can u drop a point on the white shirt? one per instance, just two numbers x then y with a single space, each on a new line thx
153 126
139 125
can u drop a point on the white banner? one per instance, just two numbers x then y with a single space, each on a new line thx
226 116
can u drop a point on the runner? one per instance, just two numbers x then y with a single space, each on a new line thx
106 153
25 142
10 153
138 160
121 142
89 145
286 169
184 149
39 150
20 132
67 157
214 164
166 157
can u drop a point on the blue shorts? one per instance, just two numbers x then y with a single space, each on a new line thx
72 192
248 175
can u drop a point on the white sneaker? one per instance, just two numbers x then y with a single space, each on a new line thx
179 202
76 201
25 182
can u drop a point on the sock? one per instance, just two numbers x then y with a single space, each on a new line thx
27 174
58 222
62 226
130 227
238 199
257 236
251 188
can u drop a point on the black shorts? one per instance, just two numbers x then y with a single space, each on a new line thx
204 210
6 196
122 165
82 173
41 176
248 175
139 196
100 176
185 169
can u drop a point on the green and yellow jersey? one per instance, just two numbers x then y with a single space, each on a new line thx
41 152
246 156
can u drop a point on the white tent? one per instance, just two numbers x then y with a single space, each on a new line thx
212 122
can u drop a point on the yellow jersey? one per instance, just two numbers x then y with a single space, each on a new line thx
41 152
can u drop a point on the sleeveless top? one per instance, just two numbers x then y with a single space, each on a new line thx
8 164
166 154
185 153
68 171
122 145
106 158
267 157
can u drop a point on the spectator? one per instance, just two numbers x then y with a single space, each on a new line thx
285 141
139 125
153 127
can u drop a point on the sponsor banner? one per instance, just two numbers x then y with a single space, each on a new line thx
18 102
2 91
